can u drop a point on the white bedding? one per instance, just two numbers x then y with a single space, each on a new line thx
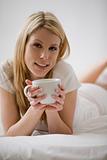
90 118
54 147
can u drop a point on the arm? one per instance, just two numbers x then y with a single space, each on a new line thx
61 122
92 75
13 124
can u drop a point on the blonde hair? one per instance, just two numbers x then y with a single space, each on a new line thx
20 70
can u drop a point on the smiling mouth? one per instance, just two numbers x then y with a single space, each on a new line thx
41 65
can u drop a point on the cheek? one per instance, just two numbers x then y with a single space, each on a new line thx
28 55
54 60
55 57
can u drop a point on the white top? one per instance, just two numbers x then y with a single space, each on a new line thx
5 76
62 70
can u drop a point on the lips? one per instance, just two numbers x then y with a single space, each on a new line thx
41 65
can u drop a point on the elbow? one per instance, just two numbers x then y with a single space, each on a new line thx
70 131
9 134
67 131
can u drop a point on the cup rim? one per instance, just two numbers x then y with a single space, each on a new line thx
47 80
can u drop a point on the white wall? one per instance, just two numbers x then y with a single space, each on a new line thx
84 21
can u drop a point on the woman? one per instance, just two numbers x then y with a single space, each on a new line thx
40 49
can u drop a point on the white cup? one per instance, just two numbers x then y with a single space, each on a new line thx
48 87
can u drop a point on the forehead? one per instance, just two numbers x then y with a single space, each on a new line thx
44 35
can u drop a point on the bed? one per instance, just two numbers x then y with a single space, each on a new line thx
89 141
86 146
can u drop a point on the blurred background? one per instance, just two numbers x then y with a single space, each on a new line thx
84 21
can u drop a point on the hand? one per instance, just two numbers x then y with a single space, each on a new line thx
33 95
59 99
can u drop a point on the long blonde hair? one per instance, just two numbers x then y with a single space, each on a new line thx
20 70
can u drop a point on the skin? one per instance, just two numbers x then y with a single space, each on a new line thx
93 74
42 50
41 53
43 47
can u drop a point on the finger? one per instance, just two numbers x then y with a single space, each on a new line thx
35 92
57 106
30 98
60 100
52 108
60 93
33 89
61 86
37 100
33 103
28 82
32 92
39 106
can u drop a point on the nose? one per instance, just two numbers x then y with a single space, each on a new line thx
44 55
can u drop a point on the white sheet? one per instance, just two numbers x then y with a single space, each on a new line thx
90 118
54 147
91 111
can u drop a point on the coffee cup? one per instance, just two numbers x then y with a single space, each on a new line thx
48 87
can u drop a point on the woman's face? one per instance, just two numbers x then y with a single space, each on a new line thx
41 52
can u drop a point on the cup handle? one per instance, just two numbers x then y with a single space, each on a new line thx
26 89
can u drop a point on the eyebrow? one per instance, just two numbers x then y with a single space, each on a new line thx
38 40
55 44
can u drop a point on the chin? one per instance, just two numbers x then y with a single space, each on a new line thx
39 73
39 76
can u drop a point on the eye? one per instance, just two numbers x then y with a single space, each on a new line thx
38 45
53 48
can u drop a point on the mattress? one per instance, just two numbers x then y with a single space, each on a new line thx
54 147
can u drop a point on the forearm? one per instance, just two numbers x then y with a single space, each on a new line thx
26 124
56 124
